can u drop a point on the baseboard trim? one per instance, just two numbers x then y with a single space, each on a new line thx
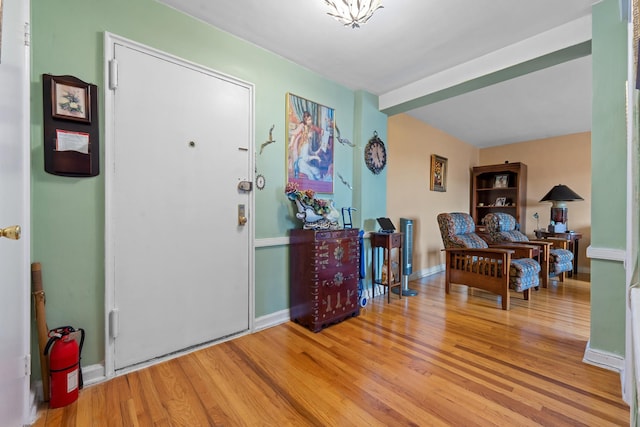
427 272
272 319
93 374
603 359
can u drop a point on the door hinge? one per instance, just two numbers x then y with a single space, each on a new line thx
113 323
27 365
27 34
113 74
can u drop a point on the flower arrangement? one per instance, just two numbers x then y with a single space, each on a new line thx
72 103
307 198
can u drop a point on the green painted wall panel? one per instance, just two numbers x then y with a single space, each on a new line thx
371 193
607 307
608 185
272 280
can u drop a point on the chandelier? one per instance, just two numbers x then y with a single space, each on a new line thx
353 13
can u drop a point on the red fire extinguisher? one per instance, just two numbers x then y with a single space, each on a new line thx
64 365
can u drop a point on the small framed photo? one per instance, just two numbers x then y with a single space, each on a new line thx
501 201
438 173
70 100
502 181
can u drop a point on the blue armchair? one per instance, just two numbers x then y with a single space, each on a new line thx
470 261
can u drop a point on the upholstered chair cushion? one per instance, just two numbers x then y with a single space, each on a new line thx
503 228
524 274
560 260
458 231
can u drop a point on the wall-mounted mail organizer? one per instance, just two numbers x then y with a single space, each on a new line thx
71 131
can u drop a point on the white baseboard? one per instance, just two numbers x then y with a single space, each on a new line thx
93 374
272 319
603 359
427 272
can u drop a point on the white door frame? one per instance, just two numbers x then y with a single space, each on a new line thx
110 40
19 404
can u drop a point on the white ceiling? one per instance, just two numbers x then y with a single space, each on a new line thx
413 48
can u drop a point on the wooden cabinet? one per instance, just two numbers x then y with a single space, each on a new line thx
499 188
324 275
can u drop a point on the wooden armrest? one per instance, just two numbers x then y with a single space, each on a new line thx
541 242
521 250
558 242
481 252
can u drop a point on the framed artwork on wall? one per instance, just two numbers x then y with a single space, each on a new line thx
70 100
310 145
438 173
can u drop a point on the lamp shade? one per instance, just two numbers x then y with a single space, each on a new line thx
561 193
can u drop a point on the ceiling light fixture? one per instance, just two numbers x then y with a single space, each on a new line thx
353 13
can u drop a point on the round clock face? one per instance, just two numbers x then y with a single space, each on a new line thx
375 155
260 182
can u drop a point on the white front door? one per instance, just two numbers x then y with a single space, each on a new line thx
14 210
181 258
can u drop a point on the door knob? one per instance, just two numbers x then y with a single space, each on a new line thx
12 232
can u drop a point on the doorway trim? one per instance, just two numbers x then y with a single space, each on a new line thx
110 40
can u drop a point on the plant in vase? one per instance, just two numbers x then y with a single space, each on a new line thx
317 214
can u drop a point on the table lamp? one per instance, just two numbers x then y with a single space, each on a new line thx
559 196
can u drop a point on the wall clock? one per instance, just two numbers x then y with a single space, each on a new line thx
375 154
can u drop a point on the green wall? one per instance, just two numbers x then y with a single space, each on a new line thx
68 222
371 189
608 182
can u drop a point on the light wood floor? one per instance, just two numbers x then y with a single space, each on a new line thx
428 360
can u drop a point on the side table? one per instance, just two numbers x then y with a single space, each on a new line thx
572 237
386 241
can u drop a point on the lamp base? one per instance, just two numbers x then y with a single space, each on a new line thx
559 217
559 214
558 228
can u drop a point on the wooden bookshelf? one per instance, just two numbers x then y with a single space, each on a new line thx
499 188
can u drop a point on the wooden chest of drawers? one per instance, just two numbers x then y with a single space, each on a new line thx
324 268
